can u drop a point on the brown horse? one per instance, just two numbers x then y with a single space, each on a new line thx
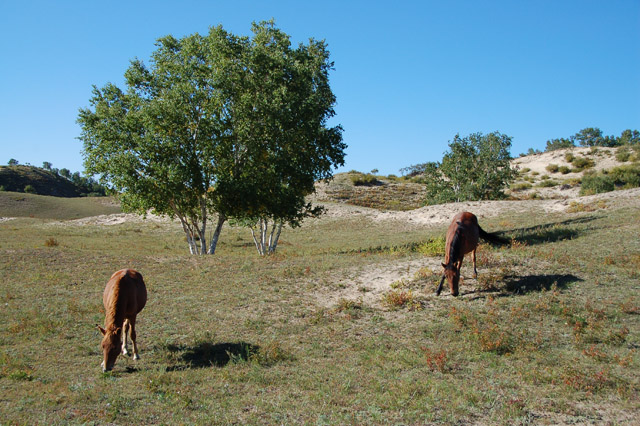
124 297
462 238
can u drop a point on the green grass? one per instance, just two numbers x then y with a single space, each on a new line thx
548 334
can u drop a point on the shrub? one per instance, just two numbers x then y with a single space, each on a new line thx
400 298
547 183
596 184
564 170
360 179
433 247
521 186
581 163
569 157
50 242
552 168
627 176
623 154
29 189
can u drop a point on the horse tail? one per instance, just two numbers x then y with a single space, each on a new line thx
492 238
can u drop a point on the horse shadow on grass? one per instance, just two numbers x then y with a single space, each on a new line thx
519 286
548 232
207 354
536 283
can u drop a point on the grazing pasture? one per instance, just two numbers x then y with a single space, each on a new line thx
549 333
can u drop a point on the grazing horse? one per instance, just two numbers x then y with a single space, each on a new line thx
124 297
462 238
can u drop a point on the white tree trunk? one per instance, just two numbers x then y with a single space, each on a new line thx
265 240
216 234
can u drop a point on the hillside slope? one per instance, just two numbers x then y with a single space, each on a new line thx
44 182
549 175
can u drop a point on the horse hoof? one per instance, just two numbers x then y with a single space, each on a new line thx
136 357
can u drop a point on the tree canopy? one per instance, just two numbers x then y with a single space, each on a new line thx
223 125
593 136
476 167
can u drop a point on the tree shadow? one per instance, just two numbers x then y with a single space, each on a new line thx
536 283
547 233
208 354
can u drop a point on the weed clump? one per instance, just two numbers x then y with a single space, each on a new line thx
396 299
51 242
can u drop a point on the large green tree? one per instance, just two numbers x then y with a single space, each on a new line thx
476 167
234 127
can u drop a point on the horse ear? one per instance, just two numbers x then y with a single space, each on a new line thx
443 265
102 330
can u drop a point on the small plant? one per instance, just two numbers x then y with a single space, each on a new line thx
577 207
521 186
547 183
51 242
568 157
29 189
564 170
399 298
552 168
433 247
436 359
581 163
270 354
623 154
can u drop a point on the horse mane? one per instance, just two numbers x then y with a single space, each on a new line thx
114 313
454 247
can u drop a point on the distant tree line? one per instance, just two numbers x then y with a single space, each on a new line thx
593 136
86 185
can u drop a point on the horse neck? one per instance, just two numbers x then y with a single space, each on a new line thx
114 315
454 247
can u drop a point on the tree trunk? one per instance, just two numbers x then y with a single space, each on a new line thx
216 234
266 245
273 244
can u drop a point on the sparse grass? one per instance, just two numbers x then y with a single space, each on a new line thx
548 333
521 186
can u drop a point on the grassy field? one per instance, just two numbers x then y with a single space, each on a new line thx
548 334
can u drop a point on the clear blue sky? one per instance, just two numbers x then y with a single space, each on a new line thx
407 77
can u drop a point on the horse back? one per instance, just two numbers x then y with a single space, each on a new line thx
465 224
125 293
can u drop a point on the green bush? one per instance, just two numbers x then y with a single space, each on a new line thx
548 183
581 163
521 186
623 154
627 176
596 184
552 168
361 179
564 170
29 189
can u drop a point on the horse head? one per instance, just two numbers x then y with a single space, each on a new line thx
452 275
111 347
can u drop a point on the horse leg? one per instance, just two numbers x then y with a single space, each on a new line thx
133 339
125 330
475 271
